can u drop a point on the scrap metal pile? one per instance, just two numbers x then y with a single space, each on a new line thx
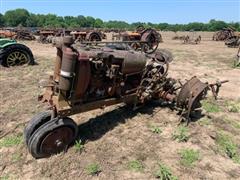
86 78
223 34
17 34
188 40
233 41
146 40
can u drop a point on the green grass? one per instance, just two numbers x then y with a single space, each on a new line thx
135 165
164 173
78 146
155 129
204 121
228 146
189 157
181 134
5 177
236 63
11 141
93 169
233 106
210 106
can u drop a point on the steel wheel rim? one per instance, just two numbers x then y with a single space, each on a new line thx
16 58
57 140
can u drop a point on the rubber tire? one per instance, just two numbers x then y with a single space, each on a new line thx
37 120
16 47
37 137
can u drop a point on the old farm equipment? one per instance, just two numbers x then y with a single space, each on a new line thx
79 36
233 41
5 33
193 38
16 34
14 54
89 78
146 40
46 36
24 35
223 34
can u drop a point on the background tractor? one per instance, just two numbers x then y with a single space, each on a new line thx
14 54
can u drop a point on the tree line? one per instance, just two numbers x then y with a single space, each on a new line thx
21 17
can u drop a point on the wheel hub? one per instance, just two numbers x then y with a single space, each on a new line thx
57 140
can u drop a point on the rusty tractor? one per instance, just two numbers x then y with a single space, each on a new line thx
80 36
223 34
46 36
6 33
233 41
146 40
87 78
24 35
17 34
188 40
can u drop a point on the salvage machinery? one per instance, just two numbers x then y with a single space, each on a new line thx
86 78
146 40
14 54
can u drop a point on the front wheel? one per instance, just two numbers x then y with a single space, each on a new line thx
52 137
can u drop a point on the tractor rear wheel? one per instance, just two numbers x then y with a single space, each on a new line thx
15 55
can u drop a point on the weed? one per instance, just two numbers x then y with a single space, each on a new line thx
236 63
204 121
155 129
164 173
5 177
181 134
78 146
16 157
210 106
227 145
93 169
135 165
233 106
11 141
189 157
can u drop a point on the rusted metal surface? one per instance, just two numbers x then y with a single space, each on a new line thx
17 34
223 34
56 141
103 73
146 40
193 40
233 41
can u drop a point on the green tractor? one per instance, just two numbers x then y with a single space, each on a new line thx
14 54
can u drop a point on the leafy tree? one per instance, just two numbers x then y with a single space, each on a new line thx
23 18
16 17
1 20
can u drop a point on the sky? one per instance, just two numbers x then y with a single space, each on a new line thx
155 11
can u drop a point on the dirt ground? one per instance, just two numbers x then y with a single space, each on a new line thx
115 137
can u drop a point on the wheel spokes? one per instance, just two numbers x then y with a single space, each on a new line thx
16 58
